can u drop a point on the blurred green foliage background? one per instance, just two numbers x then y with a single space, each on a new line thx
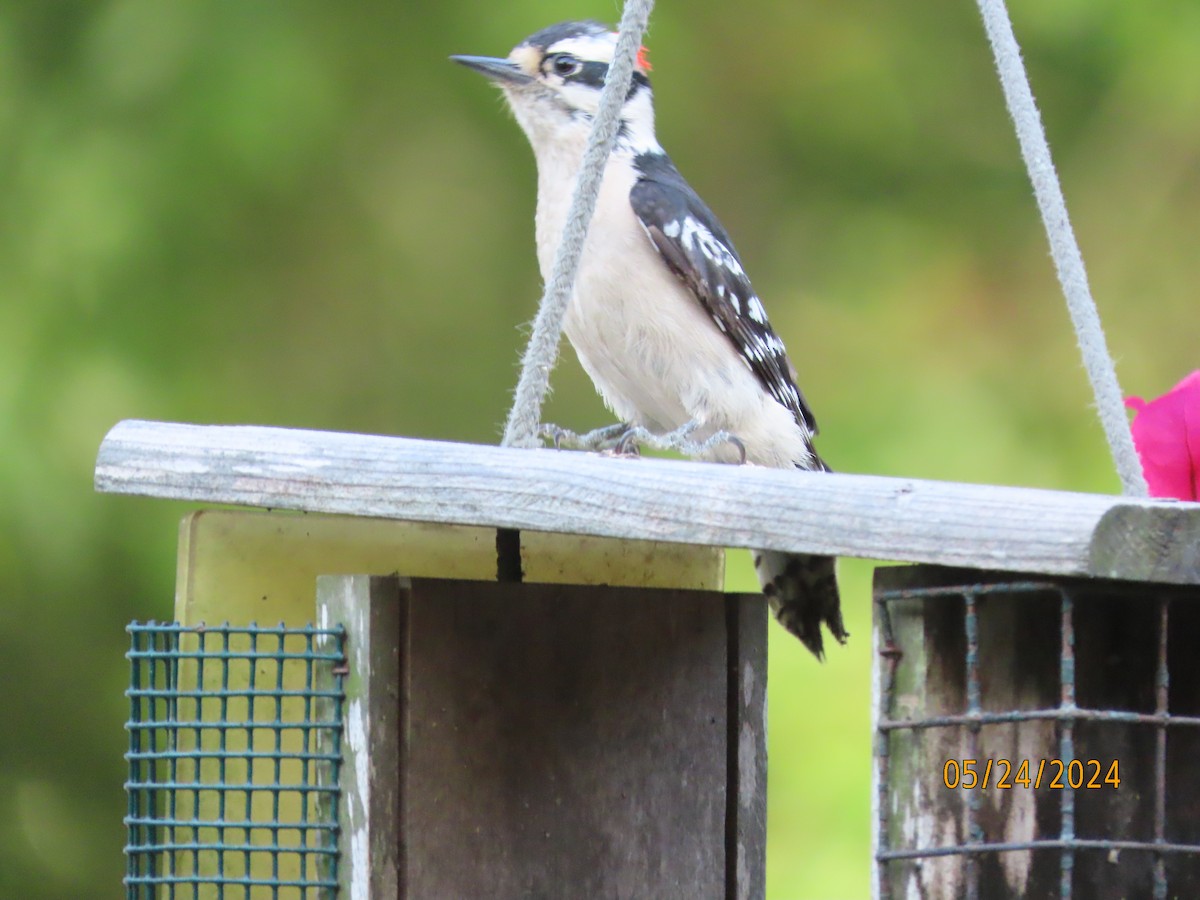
301 214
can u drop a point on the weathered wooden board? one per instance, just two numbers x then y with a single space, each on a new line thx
978 526
746 814
371 863
553 740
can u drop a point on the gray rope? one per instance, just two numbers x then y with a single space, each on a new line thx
1063 247
541 353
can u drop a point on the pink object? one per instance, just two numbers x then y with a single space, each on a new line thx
1166 433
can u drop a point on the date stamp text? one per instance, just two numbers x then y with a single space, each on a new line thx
1055 774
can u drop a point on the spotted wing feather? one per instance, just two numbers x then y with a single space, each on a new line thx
697 249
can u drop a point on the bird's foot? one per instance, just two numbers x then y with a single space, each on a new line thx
625 440
679 440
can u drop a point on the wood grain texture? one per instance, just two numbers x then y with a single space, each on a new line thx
746 812
372 854
565 741
977 526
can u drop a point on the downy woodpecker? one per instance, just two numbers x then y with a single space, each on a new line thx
663 317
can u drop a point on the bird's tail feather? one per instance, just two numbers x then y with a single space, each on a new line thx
802 591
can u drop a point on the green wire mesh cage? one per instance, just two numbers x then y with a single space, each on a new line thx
234 755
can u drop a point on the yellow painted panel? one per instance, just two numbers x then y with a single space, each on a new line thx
245 566
578 559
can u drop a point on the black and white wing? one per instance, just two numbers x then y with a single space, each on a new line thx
696 248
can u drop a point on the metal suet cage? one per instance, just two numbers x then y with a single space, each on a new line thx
234 758
1035 737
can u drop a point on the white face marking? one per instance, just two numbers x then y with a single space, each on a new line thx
594 47
578 96
638 119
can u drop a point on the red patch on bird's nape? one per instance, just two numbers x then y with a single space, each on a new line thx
643 58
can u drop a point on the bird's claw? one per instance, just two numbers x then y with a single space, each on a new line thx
601 439
726 437
553 434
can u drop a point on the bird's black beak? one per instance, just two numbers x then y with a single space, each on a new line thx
500 70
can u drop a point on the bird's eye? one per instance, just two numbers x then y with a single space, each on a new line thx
566 65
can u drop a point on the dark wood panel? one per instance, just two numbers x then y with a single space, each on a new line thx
566 741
